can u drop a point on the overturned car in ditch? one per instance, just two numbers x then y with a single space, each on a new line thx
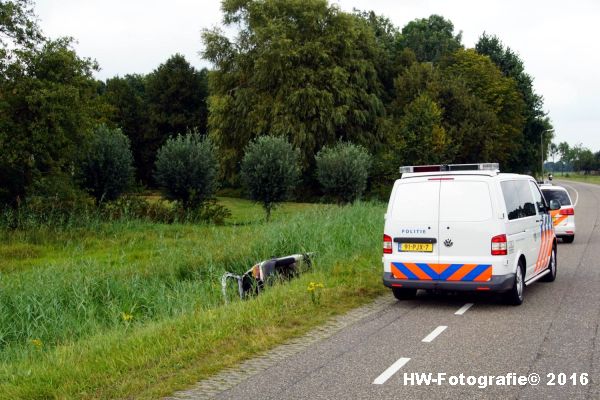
264 274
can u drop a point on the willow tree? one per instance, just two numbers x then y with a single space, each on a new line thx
299 69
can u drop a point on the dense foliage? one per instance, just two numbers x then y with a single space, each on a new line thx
342 171
270 170
176 102
299 69
499 108
106 166
537 124
409 96
186 169
46 118
126 103
431 38
305 71
151 108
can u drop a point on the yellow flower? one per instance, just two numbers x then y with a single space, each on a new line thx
37 343
126 316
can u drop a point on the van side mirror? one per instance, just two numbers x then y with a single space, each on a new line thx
554 205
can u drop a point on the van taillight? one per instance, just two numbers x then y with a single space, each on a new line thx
499 247
387 244
567 211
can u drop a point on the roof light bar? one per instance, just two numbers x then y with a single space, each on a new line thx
421 168
451 167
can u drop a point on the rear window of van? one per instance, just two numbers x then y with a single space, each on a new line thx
416 201
461 201
465 201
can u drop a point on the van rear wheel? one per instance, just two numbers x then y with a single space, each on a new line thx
404 294
515 295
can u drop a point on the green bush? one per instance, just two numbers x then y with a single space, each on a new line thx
132 207
54 201
210 211
270 170
342 171
49 212
186 169
106 167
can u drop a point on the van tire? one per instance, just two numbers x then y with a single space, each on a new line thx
552 266
516 294
404 294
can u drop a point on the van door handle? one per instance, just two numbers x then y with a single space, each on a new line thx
538 220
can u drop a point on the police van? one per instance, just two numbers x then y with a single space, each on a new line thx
467 227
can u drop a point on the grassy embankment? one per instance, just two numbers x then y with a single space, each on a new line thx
595 179
134 309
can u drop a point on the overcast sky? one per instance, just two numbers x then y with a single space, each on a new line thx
557 40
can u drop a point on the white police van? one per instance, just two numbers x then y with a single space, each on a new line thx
467 227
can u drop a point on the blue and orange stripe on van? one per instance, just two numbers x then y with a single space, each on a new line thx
547 237
442 272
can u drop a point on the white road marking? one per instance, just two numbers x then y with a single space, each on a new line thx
463 309
576 198
576 192
429 338
380 380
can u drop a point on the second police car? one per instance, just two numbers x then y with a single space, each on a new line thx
564 218
467 227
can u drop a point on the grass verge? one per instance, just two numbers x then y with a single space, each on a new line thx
595 179
65 296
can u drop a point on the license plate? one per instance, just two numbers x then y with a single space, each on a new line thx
416 247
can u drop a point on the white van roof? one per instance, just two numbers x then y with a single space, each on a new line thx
489 169
442 173
484 169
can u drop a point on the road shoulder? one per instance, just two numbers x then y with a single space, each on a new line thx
230 377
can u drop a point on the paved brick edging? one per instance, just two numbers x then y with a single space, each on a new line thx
231 377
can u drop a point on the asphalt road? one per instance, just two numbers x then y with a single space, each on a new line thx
555 331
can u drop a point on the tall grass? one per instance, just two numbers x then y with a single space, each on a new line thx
54 213
59 289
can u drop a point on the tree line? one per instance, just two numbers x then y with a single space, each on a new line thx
303 71
577 158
